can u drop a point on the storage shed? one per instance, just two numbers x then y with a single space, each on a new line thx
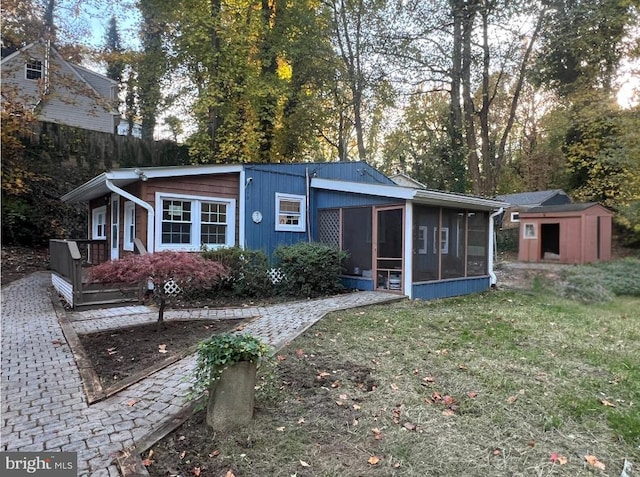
569 233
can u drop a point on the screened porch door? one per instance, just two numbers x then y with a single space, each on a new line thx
388 248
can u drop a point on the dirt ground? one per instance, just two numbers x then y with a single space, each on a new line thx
193 445
18 262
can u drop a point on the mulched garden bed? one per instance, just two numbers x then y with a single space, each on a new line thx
121 353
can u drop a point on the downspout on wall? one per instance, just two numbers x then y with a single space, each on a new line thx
492 275
151 215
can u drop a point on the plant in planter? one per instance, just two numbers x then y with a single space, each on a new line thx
226 367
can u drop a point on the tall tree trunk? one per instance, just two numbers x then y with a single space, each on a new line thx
349 44
456 159
470 10
269 75
357 123
500 160
151 68
213 120
488 172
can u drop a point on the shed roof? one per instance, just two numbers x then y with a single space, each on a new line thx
530 198
549 209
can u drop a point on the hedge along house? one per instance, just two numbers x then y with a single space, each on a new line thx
570 233
414 241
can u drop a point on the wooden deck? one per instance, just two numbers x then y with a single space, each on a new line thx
70 261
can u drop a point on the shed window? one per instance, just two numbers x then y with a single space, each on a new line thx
515 216
530 231
190 222
290 213
33 69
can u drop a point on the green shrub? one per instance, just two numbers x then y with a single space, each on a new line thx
311 269
507 240
220 351
248 272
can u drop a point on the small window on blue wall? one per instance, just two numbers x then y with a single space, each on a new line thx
290 213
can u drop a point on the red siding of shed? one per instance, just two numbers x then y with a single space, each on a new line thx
583 236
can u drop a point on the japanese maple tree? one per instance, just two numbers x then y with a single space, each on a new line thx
183 270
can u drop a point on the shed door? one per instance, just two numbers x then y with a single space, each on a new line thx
550 241
388 253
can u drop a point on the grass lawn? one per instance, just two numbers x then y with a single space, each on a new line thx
494 384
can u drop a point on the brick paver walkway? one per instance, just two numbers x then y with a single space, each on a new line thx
43 403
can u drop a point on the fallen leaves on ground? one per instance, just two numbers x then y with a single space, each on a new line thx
162 348
593 461
304 464
557 458
147 461
374 460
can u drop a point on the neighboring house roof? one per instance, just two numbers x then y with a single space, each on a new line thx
60 92
533 199
551 209
407 181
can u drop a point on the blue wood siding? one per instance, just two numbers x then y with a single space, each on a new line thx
449 288
265 180
326 199
356 283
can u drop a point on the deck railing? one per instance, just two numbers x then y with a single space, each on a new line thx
69 257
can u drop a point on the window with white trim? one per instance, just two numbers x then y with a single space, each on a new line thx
530 231
190 222
33 69
515 216
444 240
129 225
290 212
213 220
99 223
422 239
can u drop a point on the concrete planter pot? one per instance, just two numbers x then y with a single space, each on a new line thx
232 397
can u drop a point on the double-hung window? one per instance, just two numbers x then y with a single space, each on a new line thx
99 223
190 222
290 213
129 225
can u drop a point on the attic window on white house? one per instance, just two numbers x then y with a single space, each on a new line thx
33 69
